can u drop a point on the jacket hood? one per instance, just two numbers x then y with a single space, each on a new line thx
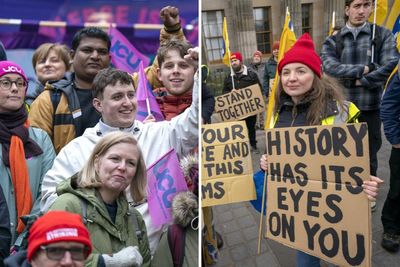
91 195
185 208
70 186
190 167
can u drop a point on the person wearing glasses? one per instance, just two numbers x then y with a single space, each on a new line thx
26 153
98 194
58 238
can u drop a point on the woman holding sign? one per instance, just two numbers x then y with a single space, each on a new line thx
306 97
118 233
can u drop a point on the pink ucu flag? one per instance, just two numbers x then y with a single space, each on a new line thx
124 55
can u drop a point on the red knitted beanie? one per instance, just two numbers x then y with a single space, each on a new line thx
237 55
57 226
302 52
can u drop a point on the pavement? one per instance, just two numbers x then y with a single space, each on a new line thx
238 224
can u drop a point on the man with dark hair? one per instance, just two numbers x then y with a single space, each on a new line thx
348 57
64 110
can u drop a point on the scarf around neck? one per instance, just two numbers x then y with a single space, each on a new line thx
16 147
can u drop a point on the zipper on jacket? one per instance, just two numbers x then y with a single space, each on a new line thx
294 115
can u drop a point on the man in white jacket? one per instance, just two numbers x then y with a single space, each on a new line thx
114 98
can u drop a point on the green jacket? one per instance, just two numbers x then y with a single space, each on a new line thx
106 237
37 168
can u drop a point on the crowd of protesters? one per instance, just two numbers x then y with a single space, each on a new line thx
71 144
344 84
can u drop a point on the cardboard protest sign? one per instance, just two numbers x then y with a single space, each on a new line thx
227 169
315 202
239 104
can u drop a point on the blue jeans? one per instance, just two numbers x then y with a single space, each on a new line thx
306 260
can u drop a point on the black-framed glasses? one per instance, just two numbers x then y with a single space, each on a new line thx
6 84
57 253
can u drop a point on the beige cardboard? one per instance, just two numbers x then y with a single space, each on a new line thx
271 83
239 104
227 170
321 198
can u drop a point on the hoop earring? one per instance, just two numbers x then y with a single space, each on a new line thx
195 223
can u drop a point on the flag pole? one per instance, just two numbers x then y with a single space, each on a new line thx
373 33
148 106
232 73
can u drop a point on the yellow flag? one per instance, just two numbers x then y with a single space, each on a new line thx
227 53
381 12
393 21
333 23
288 38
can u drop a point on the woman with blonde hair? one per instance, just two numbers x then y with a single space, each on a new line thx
118 232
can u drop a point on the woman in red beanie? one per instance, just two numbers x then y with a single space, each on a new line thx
118 232
306 97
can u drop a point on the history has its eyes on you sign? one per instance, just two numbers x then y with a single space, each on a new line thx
315 199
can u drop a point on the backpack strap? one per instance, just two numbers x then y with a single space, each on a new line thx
176 242
55 96
84 205
138 230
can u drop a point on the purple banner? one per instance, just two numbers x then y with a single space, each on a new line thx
165 179
124 55
147 102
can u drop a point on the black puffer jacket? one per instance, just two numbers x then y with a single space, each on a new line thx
242 80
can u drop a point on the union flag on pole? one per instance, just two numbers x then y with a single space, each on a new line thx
165 179
124 55
146 101
393 21
226 53
288 38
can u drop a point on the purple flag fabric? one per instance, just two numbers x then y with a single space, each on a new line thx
165 179
145 98
124 55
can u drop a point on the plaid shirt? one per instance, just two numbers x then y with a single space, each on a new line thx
356 54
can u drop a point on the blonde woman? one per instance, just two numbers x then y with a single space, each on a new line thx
118 233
